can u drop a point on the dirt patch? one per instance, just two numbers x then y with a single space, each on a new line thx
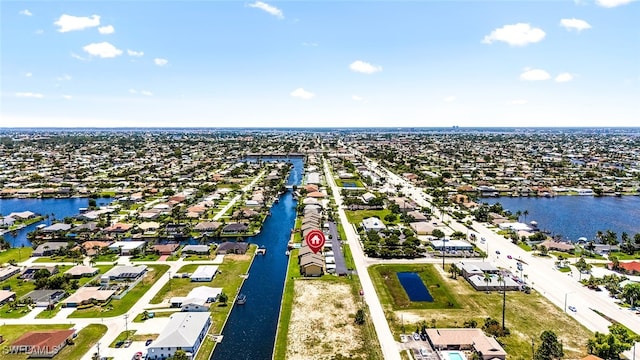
237 257
322 322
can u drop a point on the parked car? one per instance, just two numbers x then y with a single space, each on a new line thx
424 352
146 343
137 356
498 252
509 257
573 308
416 336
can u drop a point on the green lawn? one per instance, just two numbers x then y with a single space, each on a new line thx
12 332
204 353
84 342
356 217
146 257
524 246
384 277
17 254
522 316
57 259
106 258
280 349
199 257
625 256
119 307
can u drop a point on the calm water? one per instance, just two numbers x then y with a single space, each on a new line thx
573 217
251 328
60 208
413 285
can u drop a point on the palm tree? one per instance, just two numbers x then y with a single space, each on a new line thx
504 296
525 213
487 280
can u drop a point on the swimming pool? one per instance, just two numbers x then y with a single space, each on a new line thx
453 355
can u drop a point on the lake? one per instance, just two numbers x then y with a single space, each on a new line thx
573 217
414 286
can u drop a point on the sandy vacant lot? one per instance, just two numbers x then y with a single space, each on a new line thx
322 322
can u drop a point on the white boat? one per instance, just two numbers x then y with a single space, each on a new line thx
241 300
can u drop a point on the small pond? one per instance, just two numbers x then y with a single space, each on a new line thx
413 285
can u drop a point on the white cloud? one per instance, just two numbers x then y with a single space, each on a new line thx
364 67
103 50
78 57
28 74
613 3
25 12
64 77
575 24
268 8
534 75
564 77
134 53
29 95
518 102
302 94
357 98
66 97
160 61
519 34
72 23
146 93
105 30
450 99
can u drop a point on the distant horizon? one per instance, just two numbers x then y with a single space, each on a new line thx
455 127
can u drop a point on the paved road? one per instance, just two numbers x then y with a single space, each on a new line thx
341 267
385 337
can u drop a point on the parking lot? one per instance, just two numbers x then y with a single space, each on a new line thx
419 347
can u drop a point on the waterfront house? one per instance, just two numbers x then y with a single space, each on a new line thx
48 248
204 273
230 247
6 296
196 249
185 331
39 344
235 228
56 228
554 245
207 226
197 300
21 215
8 271
88 295
165 249
45 298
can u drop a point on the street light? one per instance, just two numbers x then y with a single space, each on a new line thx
565 300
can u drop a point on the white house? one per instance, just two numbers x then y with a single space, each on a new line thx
126 247
373 223
185 331
204 273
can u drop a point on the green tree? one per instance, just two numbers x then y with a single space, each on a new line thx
610 346
223 298
550 348
631 293
437 233
180 355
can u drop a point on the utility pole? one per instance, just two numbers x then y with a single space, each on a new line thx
126 328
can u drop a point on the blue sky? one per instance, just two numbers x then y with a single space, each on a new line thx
328 63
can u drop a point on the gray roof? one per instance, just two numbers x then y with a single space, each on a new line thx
196 248
51 246
57 227
182 330
125 271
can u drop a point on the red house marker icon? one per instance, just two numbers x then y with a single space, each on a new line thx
315 240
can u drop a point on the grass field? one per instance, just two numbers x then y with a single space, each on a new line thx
87 338
119 307
122 337
17 254
384 277
280 348
356 217
522 316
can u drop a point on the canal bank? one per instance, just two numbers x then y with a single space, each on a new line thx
251 328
